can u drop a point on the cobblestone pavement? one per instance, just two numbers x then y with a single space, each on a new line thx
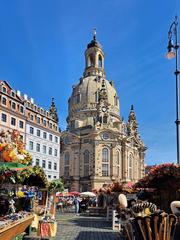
71 227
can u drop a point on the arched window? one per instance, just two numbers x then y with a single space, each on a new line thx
116 100
118 154
105 162
105 119
118 158
78 98
96 96
100 61
130 166
86 162
66 164
91 60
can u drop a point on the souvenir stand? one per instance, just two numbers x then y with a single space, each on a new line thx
13 157
47 225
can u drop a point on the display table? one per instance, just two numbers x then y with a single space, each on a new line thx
15 228
47 229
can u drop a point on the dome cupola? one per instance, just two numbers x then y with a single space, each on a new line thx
94 58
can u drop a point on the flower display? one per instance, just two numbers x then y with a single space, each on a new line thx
32 176
158 172
12 148
56 186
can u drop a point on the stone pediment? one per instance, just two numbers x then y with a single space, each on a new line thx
136 142
68 137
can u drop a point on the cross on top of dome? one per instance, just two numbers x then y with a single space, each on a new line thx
94 42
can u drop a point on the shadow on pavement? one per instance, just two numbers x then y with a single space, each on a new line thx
83 235
92 223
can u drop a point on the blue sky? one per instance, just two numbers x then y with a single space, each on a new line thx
42 54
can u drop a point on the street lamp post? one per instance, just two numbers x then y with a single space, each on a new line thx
173 52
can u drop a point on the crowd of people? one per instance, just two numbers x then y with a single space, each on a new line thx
76 203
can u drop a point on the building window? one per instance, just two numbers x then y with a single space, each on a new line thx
44 122
21 109
56 139
100 61
4 90
78 98
55 152
44 149
43 164
115 100
105 170
37 162
72 124
118 163
55 166
31 117
13 121
31 130
30 145
50 150
49 165
66 164
91 61
38 119
55 177
105 155
12 94
13 106
50 125
44 135
105 162
3 117
50 137
49 176
96 96
21 124
3 100
38 133
105 119
86 163
37 147
130 165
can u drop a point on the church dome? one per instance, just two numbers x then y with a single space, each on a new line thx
87 96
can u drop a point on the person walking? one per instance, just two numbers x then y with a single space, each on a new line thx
76 203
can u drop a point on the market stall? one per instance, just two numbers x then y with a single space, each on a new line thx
19 185
163 185
11 227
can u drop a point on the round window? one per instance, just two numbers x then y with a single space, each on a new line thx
105 136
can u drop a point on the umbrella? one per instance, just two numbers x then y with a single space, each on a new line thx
75 193
88 194
64 194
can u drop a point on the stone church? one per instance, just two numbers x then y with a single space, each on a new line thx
98 146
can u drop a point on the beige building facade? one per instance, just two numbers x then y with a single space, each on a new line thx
98 146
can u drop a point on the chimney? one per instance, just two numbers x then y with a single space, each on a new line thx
32 100
18 93
25 97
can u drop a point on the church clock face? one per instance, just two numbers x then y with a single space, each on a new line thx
104 109
105 136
